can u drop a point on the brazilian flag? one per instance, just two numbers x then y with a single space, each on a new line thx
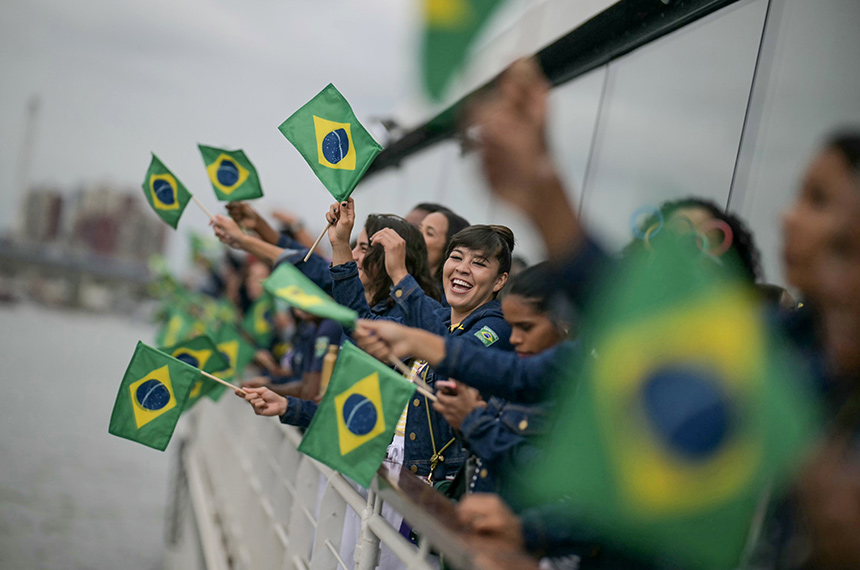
199 352
328 136
355 421
237 351
225 311
258 321
289 284
179 326
151 397
688 410
450 26
164 192
232 175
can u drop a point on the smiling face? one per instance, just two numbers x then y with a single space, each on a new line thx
358 253
532 331
470 280
434 228
815 218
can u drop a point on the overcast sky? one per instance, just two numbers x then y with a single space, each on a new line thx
118 79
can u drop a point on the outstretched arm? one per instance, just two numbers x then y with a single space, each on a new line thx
491 371
516 159
248 218
229 232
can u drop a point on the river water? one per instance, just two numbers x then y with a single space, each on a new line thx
71 495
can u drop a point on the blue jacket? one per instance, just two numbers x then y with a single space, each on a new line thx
486 326
504 374
346 289
427 438
500 436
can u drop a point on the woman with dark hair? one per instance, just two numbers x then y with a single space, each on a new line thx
438 228
696 215
359 278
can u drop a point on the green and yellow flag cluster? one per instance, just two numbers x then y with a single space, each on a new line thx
238 351
355 421
232 175
291 285
331 140
690 408
258 321
199 352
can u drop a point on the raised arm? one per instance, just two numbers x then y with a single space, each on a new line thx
248 218
229 232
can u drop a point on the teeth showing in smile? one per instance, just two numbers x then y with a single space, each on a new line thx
460 286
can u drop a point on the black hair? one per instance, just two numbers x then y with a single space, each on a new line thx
416 258
456 224
848 144
742 241
429 207
490 240
532 284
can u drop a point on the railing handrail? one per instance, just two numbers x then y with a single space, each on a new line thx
256 502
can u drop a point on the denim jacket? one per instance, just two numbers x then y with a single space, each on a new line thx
504 374
316 268
484 327
346 289
500 436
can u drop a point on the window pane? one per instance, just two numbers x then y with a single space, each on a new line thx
672 117
807 86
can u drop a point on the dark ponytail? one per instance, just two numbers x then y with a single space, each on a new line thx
532 284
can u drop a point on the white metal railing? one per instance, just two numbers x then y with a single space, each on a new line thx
255 502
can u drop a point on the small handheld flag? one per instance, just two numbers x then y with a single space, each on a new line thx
450 26
151 397
688 410
355 421
335 145
164 192
258 321
289 284
199 352
179 326
238 352
232 175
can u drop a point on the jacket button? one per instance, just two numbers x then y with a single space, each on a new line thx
414 468
416 402
412 436
398 293
523 425
483 473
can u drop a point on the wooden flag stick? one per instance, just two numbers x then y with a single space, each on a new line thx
420 385
224 382
316 243
205 211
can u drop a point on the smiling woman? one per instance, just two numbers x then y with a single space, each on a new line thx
477 267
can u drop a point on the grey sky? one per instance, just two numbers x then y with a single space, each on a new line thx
118 79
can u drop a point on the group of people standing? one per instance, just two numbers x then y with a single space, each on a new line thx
435 291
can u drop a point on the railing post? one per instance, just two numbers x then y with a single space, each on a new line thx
367 553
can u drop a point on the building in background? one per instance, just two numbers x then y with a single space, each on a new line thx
85 248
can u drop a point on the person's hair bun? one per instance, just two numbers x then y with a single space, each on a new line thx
506 234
